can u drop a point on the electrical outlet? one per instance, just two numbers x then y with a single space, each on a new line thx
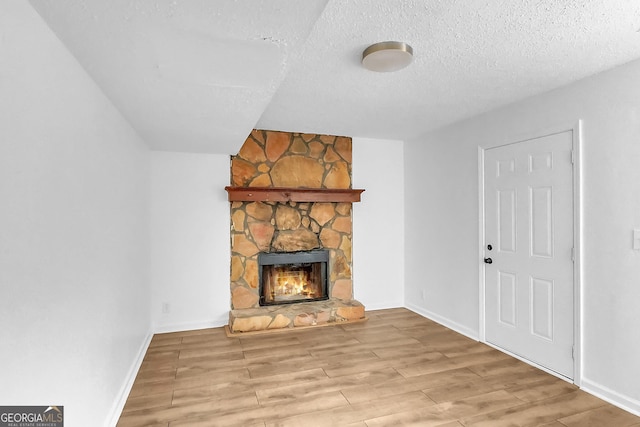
166 308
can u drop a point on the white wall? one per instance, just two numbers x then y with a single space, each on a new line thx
378 223
441 242
189 241
190 234
74 243
441 176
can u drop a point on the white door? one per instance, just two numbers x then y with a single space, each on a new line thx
529 288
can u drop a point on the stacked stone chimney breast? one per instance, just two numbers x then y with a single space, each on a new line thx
291 160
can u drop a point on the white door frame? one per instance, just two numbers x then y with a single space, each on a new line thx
575 128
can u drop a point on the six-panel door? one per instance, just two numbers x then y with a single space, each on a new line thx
528 190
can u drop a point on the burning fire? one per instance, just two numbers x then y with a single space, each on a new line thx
292 283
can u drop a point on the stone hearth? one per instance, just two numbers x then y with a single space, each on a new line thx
282 160
321 313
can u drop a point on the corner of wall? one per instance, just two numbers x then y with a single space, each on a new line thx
118 405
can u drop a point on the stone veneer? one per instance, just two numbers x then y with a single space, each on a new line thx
293 160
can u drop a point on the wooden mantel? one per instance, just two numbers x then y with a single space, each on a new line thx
284 194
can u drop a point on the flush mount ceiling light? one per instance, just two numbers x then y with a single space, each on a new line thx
387 56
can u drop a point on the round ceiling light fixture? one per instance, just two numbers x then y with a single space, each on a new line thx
387 56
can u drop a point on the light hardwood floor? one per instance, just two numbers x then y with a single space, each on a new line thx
396 369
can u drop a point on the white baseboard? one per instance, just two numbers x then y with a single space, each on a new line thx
625 402
118 405
190 326
461 329
382 306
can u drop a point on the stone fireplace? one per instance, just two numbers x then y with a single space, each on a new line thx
291 232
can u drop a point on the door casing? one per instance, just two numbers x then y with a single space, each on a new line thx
575 128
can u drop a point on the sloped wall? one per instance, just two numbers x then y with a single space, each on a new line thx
74 238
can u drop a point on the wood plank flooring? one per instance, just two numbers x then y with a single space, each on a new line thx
396 369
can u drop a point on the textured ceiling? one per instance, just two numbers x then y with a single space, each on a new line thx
190 75
198 75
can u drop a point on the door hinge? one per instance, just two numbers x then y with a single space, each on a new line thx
573 352
573 157
573 254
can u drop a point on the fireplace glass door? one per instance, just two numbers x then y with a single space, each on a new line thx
292 277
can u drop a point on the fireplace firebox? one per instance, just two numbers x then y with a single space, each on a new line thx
290 277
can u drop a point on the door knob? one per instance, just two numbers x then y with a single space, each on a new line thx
488 260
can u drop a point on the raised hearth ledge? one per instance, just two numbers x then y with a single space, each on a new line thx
285 194
289 317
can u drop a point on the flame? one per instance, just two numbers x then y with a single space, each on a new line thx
288 282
